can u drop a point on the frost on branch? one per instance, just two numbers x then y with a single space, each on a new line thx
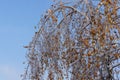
76 40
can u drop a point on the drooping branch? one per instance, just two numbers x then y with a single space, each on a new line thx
76 42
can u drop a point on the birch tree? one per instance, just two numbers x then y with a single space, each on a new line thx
76 40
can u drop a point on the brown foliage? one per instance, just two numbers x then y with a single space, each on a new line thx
77 40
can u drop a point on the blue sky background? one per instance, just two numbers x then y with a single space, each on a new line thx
17 21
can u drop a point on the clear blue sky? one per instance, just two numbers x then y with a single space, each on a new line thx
17 21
